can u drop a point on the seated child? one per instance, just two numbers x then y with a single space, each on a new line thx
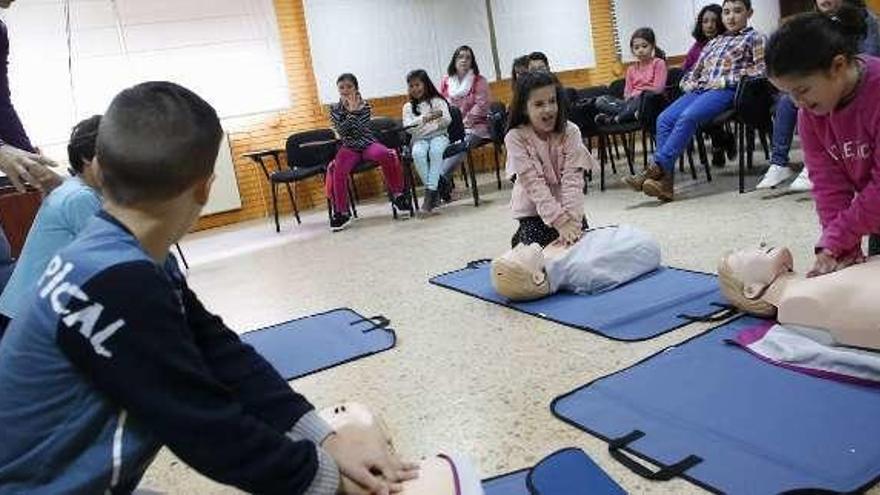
520 67
836 90
648 73
63 214
538 61
709 90
603 259
351 119
426 115
112 356
443 474
546 153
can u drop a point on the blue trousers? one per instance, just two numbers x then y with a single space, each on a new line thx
428 157
784 124
677 124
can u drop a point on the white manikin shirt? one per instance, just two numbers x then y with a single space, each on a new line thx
603 259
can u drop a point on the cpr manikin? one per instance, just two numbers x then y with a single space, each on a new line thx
439 475
843 303
602 259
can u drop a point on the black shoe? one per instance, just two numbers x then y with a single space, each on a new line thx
429 203
403 202
718 158
444 190
339 222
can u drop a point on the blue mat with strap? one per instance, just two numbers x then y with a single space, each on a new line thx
651 305
565 472
712 413
314 343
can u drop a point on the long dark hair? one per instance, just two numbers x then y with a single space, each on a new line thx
720 28
787 53
451 69
430 90
527 83
647 34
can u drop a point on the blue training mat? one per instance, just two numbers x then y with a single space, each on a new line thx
508 484
714 414
651 305
570 472
314 343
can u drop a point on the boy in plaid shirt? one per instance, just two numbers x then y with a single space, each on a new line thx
709 91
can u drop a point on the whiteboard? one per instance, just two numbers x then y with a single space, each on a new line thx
673 20
380 41
559 28
227 51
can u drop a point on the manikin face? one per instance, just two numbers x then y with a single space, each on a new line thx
709 24
542 109
757 268
820 92
642 49
519 273
829 6
735 16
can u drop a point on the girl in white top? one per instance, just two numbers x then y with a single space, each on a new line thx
426 115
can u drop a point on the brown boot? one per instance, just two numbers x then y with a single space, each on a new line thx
636 182
662 188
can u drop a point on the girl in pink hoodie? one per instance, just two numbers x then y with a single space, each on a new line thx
548 157
839 122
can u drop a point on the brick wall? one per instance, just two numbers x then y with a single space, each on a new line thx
307 113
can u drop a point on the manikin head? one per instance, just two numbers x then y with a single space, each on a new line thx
746 274
519 274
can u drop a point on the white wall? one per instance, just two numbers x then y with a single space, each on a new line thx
380 41
559 28
227 51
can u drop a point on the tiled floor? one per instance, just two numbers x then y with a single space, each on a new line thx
466 375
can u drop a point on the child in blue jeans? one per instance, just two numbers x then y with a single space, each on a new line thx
426 115
709 91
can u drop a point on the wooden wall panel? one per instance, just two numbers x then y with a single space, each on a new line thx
307 113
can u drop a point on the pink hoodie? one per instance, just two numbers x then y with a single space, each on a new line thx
549 174
843 158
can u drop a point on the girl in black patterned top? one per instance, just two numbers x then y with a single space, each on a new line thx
351 119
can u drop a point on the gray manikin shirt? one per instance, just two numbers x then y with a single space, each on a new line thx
603 259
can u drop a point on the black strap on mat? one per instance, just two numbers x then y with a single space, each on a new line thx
472 265
666 472
378 321
728 311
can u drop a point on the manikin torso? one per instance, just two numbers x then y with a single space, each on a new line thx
846 303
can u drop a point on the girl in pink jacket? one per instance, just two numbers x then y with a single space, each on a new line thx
546 153
836 91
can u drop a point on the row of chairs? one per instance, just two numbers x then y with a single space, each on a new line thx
309 154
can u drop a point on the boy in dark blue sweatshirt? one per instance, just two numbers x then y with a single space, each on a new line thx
115 356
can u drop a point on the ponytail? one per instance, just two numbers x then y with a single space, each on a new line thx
659 53
788 53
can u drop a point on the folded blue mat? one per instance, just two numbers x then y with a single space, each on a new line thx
651 305
570 472
314 343
712 413
566 472
508 484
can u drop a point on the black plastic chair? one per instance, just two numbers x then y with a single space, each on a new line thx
457 145
302 164
498 116
752 105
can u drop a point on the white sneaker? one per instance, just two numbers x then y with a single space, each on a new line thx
775 175
802 182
